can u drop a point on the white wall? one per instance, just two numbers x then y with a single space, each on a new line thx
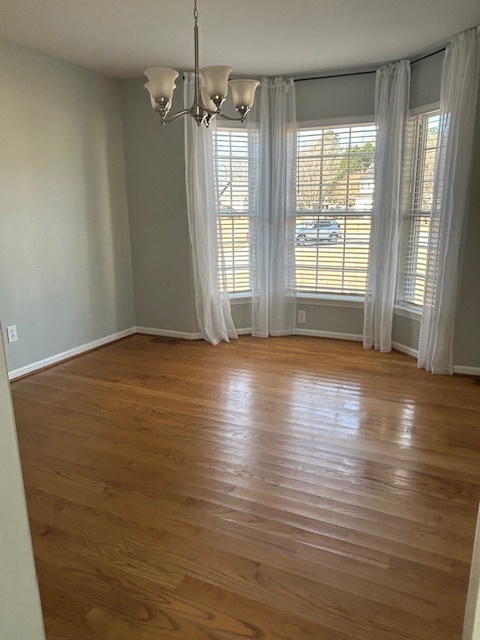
20 612
65 265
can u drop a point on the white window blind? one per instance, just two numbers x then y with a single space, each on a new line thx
335 181
232 178
424 145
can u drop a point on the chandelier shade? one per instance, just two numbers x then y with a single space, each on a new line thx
161 82
153 102
211 89
243 93
207 101
216 80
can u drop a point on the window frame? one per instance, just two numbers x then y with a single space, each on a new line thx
403 307
236 297
353 301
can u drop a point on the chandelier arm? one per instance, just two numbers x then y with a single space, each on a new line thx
222 115
177 116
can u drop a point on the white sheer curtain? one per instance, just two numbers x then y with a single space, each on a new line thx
272 127
458 97
211 296
392 91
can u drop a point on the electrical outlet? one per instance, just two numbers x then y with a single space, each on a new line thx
12 333
301 316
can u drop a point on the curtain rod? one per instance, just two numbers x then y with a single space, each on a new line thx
363 73
429 55
336 75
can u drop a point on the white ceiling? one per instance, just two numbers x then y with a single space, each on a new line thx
122 37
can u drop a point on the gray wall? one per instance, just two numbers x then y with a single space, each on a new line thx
354 96
467 331
65 267
20 612
155 159
425 81
66 241
351 96
164 297
425 89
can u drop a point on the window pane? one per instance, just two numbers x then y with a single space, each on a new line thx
234 262
331 255
424 143
416 259
232 176
335 181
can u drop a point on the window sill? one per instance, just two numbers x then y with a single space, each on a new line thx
240 298
312 299
408 312
351 302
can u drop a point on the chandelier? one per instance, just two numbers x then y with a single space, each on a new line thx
211 89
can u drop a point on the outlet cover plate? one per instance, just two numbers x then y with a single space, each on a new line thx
12 335
302 316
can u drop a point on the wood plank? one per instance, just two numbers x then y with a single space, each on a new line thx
283 489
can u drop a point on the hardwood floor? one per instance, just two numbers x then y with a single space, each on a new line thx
289 488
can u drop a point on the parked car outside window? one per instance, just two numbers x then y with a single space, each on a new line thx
315 231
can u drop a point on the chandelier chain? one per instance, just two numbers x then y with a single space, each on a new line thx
195 12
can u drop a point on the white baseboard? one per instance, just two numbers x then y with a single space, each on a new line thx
329 334
65 355
404 349
183 335
457 368
466 371
168 333
245 332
